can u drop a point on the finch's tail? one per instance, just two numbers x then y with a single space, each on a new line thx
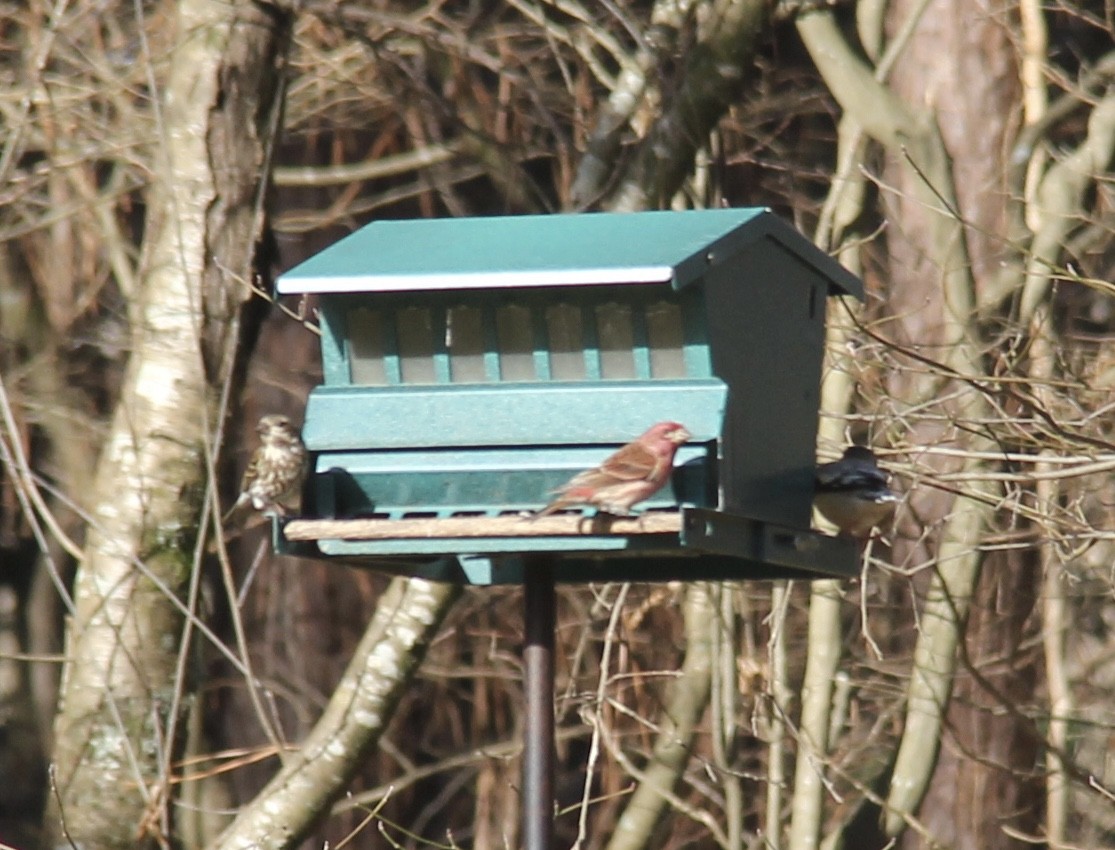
237 509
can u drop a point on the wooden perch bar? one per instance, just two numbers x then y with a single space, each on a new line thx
558 525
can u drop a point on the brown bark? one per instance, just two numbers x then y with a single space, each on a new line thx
959 66
985 778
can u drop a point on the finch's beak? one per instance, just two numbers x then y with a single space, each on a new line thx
678 436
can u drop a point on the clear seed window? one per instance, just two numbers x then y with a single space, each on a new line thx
497 342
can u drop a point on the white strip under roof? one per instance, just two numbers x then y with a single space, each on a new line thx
475 280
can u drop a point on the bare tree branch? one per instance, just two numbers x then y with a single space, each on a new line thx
671 749
406 619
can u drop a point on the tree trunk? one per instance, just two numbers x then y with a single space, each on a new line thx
961 62
118 724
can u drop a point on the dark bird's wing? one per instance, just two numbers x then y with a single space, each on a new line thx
850 475
851 479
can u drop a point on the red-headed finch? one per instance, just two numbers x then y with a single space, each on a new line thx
852 492
635 472
276 470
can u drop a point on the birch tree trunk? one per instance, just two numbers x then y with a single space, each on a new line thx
118 722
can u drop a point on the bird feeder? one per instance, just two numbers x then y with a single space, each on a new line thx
472 365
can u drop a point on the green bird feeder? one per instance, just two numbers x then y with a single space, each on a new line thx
473 365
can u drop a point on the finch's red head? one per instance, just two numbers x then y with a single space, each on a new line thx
667 432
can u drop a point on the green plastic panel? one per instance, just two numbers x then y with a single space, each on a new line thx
448 481
549 250
525 414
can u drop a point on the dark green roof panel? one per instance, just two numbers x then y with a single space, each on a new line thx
550 250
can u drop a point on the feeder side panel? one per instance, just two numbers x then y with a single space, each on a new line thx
766 323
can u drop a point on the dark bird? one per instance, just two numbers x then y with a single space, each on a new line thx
276 470
634 473
852 492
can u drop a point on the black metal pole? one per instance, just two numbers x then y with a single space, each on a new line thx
538 684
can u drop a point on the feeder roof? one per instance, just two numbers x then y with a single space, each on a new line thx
552 250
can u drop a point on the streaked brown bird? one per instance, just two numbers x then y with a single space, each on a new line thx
276 470
634 473
852 492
